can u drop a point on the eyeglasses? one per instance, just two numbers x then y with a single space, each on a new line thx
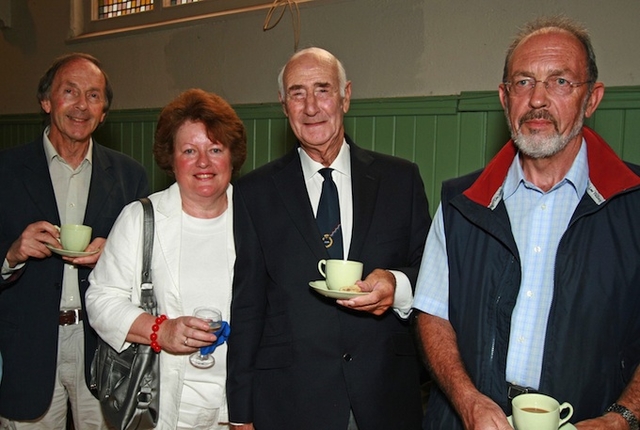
556 85
319 93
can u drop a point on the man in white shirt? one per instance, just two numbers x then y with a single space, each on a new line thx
296 358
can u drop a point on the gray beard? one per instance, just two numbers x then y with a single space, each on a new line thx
536 146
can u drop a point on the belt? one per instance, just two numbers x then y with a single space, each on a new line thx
514 390
71 316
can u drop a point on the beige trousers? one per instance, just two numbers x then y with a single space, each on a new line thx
70 386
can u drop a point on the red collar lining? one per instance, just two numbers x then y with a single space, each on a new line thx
608 173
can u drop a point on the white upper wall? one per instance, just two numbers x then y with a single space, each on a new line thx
390 48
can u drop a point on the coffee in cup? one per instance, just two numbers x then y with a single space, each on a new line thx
532 411
75 237
340 274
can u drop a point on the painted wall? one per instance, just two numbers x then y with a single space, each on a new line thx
390 48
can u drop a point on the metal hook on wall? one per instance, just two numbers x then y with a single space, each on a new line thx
295 18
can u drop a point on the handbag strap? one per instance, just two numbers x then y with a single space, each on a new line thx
147 296
147 246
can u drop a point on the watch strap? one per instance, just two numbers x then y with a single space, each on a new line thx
631 419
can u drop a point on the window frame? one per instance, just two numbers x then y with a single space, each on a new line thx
84 13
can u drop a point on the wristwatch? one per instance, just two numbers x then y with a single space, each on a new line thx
626 414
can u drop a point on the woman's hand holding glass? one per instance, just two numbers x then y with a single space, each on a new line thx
182 335
213 318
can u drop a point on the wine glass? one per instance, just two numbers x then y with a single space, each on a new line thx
214 317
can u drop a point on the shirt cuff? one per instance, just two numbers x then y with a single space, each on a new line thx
8 271
403 297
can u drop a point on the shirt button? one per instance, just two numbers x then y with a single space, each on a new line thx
543 206
537 249
347 357
529 293
521 339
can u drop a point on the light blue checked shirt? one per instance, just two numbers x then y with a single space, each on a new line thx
538 220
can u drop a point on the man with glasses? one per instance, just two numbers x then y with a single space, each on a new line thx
530 278
297 359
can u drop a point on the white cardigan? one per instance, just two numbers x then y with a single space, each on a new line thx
113 296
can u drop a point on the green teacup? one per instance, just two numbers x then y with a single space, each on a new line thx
75 237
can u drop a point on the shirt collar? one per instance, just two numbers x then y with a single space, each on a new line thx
341 164
577 176
51 152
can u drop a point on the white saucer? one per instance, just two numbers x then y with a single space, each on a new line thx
567 426
70 253
321 287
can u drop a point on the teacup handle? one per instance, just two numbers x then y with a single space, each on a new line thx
321 264
565 406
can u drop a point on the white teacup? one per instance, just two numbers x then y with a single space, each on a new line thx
534 411
340 273
75 237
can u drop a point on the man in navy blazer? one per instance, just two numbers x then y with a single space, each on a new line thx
297 359
64 177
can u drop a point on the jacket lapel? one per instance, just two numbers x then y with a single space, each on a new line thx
37 181
101 184
289 182
365 182
168 226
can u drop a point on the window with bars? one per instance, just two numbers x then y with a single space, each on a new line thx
91 18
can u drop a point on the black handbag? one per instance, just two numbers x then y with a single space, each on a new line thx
127 384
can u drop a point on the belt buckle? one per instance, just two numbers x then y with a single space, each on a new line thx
76 316
75 313
514 390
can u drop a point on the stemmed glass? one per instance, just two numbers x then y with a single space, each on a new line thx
214 317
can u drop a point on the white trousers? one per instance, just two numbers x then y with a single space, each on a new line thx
70 386
191 418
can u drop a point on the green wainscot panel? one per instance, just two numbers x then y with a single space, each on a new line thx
446 136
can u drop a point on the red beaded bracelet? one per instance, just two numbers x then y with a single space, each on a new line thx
154 335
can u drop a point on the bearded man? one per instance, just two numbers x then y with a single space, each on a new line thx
529 279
